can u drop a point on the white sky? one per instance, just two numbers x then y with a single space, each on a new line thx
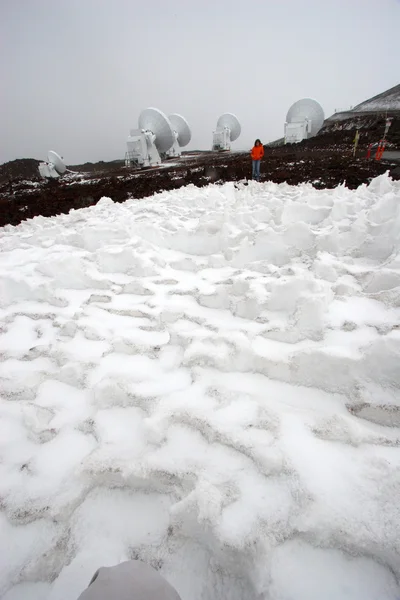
75 74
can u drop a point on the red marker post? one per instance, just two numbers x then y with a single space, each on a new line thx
383 145
380 150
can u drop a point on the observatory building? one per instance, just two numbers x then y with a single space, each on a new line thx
53 168
227 131
303 120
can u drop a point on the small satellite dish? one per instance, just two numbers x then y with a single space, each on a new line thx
303 120
154 137
227 131
182 134
54 167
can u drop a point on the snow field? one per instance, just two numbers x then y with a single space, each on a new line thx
207 380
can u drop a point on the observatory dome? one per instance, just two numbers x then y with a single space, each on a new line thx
307 108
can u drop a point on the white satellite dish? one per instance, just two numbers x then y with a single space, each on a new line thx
227 131
182 134
57 161
54 167
303 120
154 136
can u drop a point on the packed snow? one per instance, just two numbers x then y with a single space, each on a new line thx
207 380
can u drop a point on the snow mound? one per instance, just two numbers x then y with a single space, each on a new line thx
207 380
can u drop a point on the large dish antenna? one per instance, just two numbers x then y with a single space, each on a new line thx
54 167
154 137
227 131
182 134
303 120
181 128
57 161
154 121
230 121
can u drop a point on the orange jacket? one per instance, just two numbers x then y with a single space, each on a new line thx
257 152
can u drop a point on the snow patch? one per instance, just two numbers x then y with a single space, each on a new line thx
207 380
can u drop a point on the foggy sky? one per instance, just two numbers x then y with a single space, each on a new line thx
75 74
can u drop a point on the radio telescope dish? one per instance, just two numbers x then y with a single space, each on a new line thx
53 168
154 138
56 160
156 122
181 128
304 119
227 131
230 121
182 135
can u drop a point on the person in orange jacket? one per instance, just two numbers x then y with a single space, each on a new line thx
257 153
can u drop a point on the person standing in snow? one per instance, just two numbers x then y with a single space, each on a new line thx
257 153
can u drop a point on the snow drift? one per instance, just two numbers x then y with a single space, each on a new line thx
207 380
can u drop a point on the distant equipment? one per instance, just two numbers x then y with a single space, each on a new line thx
154 137
227 131
304 119
182 134
53 168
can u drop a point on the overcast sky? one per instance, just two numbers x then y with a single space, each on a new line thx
75 74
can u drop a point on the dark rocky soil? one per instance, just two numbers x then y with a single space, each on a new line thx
21 168
341 133
324 161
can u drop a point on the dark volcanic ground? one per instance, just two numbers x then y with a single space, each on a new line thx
325 161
